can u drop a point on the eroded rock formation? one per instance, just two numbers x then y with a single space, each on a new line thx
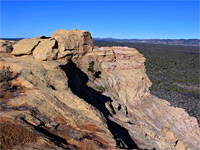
62 44
85 97
75 40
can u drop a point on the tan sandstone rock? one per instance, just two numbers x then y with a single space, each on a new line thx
180 146
75 40
47 99
106 107
46 50
122 72
153 122
25 46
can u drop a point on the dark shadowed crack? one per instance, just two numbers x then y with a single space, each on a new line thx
57 140
78 84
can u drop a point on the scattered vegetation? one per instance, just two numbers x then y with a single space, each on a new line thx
91 66
4 44
101 88
14 134
96 74
5 78
170 68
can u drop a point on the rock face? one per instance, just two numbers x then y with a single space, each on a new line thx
46 50
25 46
151 122
75 40
62 44
96 98
115 64
47 103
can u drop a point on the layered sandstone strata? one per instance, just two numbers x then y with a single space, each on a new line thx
90 97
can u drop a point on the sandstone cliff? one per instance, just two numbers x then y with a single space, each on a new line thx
74 95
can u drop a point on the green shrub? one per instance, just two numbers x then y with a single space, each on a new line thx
4 44
91 66
5 78
97 74
101 88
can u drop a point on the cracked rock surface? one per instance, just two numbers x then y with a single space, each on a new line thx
92 98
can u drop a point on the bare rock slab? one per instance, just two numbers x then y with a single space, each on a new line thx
25 46
46 50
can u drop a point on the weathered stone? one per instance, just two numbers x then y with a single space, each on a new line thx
50 100
25 46
122 72
46 50
75 41
154 123
170 137
180 146
106 105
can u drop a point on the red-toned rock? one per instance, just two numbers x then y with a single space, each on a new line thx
52 107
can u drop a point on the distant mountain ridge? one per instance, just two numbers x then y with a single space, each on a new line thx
184 42
12 39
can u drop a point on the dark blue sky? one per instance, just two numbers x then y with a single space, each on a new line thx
117 19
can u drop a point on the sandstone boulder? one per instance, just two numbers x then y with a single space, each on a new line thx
77 41
46 50
25 47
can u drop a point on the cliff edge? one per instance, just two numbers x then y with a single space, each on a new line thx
69 94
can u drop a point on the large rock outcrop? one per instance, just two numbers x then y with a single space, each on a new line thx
122 72
25 47
151 122
62 44
46 50
75 40
46 102
96 98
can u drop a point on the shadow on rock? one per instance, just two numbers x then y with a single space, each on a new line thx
59 141
78 84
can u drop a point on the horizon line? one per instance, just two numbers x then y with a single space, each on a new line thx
119 38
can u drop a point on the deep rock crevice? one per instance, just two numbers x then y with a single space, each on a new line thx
78 85
108 106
